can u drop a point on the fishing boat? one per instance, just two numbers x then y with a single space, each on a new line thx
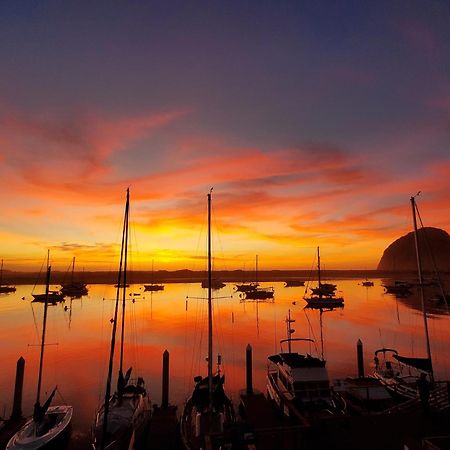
4 288
122 419
74 288
209 413
299 383
48 423
324 295
403 375
259 293
153 287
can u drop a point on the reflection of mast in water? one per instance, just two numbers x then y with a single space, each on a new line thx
257 319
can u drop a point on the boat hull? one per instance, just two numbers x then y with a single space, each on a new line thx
127 422
28 438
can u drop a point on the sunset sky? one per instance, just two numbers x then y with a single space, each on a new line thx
314 121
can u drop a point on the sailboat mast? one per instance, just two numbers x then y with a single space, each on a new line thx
256 269
113 337
288 324
73 268
1 274
124 288
44 327
210 343
419 274
318 270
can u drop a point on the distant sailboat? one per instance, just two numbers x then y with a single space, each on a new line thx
123 417
258 293
48 422
48 296
209 412
74 288
324 295
153 286
4 289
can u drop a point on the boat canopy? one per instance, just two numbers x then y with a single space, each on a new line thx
423 364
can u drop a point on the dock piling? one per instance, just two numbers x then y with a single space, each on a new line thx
360 357
18 390
165 380
248 359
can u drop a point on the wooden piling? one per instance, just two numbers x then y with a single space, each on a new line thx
165 380
249 369
360 357
18 390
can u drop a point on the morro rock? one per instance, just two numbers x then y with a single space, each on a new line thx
434 243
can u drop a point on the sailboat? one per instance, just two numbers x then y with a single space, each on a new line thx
4 288
48 296
153 286
299 383
400 374
48 422
122 419
208 413
324 295
258 293
74 288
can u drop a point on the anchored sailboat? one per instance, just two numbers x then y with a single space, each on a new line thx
324 295
4 288
123 417
48 422
258 293
74 288
209 412
153 286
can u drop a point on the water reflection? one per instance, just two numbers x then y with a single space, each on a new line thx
166 320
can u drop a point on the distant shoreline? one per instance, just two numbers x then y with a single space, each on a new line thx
185 276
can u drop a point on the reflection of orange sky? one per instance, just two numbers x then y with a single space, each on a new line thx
160 321
279 203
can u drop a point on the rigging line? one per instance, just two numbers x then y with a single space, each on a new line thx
311 330
38 275
433 260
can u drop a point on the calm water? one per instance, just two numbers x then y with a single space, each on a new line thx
76 360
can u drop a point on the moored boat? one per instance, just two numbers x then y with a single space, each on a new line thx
4 288
48 423
299 383
122 419
74 288
324 295
208 415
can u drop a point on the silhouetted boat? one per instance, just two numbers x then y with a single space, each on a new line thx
402 288
215 284
403 375
258 293
367 283
52 297
294 283
48 422
246 287
153 286
122 419
4 289
74 288
208 413
299 383
324 295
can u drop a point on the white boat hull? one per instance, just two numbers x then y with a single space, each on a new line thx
29 438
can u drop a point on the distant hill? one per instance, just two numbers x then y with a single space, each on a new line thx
401 254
